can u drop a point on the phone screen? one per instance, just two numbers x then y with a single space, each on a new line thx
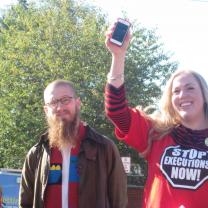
120 32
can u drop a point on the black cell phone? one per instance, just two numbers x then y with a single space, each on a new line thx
119 34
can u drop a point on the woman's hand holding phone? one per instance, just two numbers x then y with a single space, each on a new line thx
117 44
118 37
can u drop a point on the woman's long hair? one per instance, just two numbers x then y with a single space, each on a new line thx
165 119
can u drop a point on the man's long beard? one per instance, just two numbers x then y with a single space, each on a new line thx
61 132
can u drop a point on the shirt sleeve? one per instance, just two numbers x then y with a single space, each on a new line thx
27 183
116 107
130 124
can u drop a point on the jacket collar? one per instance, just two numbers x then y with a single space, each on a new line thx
91 134
88 145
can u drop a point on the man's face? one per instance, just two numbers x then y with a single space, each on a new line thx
61 103
62 110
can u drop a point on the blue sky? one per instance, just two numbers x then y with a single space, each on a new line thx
181 24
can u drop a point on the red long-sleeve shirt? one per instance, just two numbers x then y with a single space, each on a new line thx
177 175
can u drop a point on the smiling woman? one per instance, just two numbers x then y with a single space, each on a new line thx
173 140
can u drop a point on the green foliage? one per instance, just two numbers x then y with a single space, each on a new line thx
148 67
23 3
63 39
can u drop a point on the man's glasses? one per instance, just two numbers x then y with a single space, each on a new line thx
64 101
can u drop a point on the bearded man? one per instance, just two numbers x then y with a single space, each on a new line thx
72 166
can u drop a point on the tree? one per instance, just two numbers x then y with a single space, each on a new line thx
23 3
64 39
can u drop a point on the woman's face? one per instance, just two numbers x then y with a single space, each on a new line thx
187 101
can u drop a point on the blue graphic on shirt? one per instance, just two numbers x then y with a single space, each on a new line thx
55 174
73 173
